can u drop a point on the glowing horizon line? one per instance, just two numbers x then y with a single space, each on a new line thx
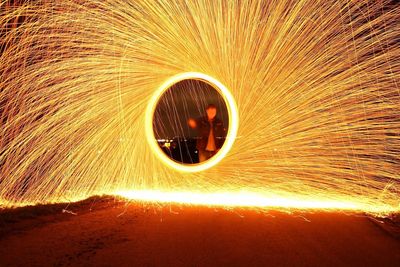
243 199
250 200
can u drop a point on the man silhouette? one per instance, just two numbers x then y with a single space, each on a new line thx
209 127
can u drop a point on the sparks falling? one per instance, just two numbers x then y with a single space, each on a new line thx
316 85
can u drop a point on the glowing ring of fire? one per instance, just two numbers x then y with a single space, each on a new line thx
232 129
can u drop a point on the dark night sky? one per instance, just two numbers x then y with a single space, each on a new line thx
186 99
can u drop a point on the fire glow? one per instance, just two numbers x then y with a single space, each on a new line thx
312 87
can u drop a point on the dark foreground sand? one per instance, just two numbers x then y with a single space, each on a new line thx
107 232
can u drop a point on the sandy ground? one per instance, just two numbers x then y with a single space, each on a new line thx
108 232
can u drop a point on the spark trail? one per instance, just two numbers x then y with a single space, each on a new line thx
316 85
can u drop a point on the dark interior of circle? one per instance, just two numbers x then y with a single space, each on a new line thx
175 134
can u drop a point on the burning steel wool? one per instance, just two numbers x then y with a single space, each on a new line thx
312 86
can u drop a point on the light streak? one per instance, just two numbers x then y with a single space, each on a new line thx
241 199
315 85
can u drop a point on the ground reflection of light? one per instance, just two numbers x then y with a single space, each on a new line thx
250 200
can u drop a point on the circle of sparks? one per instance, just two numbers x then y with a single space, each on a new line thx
232 129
